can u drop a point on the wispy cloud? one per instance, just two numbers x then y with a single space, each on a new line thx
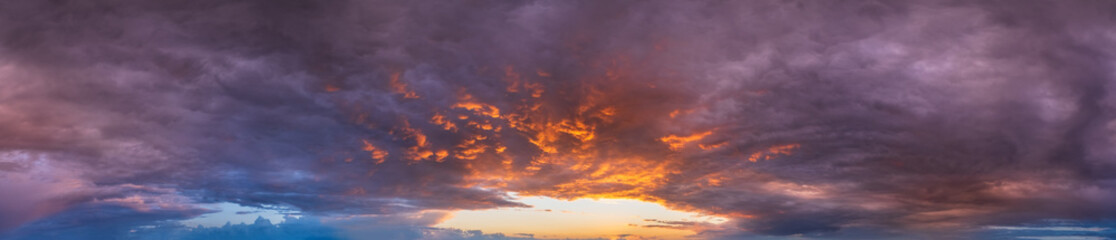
1067 229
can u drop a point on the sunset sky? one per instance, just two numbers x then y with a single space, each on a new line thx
352 119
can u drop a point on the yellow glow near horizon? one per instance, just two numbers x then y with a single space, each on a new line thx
582 218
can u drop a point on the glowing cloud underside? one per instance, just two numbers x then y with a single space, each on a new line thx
583 218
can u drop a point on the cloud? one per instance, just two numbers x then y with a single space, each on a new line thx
97 221
123 223
789 117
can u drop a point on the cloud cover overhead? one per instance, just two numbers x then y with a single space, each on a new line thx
827 119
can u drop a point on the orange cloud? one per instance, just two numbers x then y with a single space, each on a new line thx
377 155
400 87
678 142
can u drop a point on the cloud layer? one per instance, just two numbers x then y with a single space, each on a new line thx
788 117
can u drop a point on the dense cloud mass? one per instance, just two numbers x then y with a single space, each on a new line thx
816 118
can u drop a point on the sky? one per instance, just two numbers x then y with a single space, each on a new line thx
352 119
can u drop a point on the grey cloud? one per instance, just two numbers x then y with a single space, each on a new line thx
97 221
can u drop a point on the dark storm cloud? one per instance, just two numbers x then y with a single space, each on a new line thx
97 221
89 223
790 117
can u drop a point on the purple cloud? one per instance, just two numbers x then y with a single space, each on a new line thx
825 118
